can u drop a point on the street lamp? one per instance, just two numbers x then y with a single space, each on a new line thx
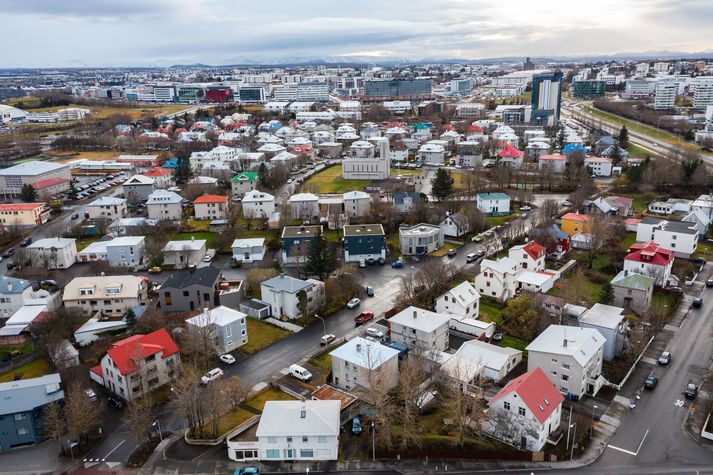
591 432
160 434
373 442
574 440
324 325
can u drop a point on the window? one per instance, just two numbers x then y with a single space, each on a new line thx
506 405
289 439
272 440
305 438
521 411
23 431
321 439
565 365
20 417
306 453
272 453
565 377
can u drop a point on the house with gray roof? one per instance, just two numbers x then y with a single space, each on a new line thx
353 362
14 293
611 322
405 202
193 290
22 408
633 291
283 294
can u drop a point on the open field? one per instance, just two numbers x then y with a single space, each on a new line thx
260 335
64 157
102 112
637 152
330 180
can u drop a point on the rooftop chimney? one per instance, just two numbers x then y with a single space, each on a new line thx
282 274
358 347
564 343
415 314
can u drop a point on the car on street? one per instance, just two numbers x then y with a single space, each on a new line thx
398 264
353 303
208 258
10 265
289 180
525 208
452 253
650 382
665 358
691 391
26 242
8 253
709 282
227 358
356 426
48 284
212 375
362 263
471 257
155 270
363 317
478 238
91 395
375 333
247 471
115 403
327 339
75 216
370 291
697 303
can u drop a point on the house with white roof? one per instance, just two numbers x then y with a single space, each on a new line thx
258 204
431 154
283 294
540 281
138 188
477 360
420 239
356 203
599 166
248 250
182 254
366 167
304 206
418 327
497 278
122 251
225 328
53 253
359 363
679 237
526 411
462 300
108 207
571 357
163 205
611 322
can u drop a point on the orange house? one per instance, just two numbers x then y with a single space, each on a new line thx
576 223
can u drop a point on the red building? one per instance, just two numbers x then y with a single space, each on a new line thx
218 95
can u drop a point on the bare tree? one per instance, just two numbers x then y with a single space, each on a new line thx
547 212
463 409
215 400
54 424
408 390
600 231
378 394
255 276
139 416
237 390
187 398
83 415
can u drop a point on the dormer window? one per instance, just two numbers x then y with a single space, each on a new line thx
86 291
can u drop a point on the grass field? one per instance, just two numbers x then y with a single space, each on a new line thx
444 250
637 152
330 180
498 220
392 241
102 112
270 394
629 239
64 157
510 341
491 310
704 249
33 369
85 241
260 335
405 171
667 302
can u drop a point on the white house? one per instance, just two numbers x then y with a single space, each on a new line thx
304 206
611 322
493 204
283 294
599 166
163 205
359 363
14 293
54 253
680 237
366 168
497 278
650 259
258 204
356 203
531 281
182 254
462 300
123 251
552 163
304 431
417 327
571 357
112 295
108 207
420 239
530 256
431 154
138 187
526 411
477 359
211 207
455 225
224 327
248 250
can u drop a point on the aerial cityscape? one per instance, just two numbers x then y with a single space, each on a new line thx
402 238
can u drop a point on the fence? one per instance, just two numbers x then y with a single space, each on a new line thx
453 454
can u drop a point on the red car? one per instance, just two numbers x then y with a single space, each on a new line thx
364 316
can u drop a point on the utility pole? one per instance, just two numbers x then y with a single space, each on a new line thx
574 437
373 442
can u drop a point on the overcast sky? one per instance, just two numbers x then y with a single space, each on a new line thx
46 33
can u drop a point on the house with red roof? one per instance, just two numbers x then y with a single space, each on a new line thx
526 411
554 163
651 259
530 256
23 215
211 207
138 365
51 186
510 156
163 177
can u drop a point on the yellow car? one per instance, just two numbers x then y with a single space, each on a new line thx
155 270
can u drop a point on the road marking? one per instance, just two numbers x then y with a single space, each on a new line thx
629 451
642 441
678 403
112 450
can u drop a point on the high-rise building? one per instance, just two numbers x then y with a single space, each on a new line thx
313 91
251 94
703 93
546 98
665 95
528 65
405 89
590 89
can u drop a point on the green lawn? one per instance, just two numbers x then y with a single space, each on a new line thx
510 341
637 152
261 334
498 220
491 310
627 241
704 250
330 180
405 171
269 394
664 301
447 246
25 349
33 369
198 224
187 236
229 421
601 261
392 240
323 360
332 235
83 242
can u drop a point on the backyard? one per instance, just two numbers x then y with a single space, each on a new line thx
33 369
330 180
261 335
258 401
447 246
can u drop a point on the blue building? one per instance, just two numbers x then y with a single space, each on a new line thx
546 98
296 241
364 242
589 89
22 407
171 163
405 89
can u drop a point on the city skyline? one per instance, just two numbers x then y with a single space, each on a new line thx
162 33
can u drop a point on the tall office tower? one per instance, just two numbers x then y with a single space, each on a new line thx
546 98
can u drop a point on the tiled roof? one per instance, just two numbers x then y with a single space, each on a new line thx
536 391
210 199
38 185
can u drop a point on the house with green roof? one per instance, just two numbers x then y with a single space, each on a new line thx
493 204
242 183
633 291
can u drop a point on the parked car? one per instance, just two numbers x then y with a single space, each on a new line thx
227 358
48 283
362 263
665 358
370 291
10 265
697 303
91 395
525 208
75 216
212 375
452 253
356 426
480 253
208 258
363 317
650 382
26 242
247 471
471 257
8 253
327 339
115 403
398 264
691 391
155 270
477 238
353 303
300 373
375 333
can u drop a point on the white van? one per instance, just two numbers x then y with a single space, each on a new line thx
378 334
211 376
471 257
300 373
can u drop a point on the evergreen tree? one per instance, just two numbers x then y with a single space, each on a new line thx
616 153
183 171
130 317
321 261
264 181
606 295
624 137
560 139
442 184
72 190
28 194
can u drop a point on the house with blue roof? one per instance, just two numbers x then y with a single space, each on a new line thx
14 293
22 409
493 204
572 149
171 163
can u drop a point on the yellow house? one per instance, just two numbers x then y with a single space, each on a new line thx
575 223
23 215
